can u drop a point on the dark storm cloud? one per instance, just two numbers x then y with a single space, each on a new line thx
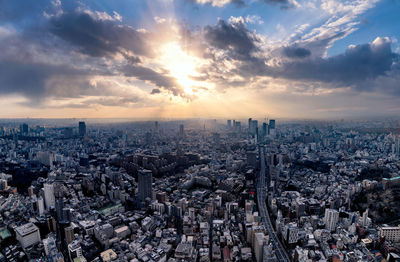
31 79
232 37
98 38
155 91
296 52
158 79
358 63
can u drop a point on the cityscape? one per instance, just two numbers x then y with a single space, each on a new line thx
200 190
199 130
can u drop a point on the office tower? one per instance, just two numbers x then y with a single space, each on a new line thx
27 235
264 130
156 126
253 124
74 250
258 244
249 124
40 204
24 128
229 124
181 130
331 218
69 234
271 130
49 198
59 209
49 245
272 123
238 127
145 180
82 129
364 221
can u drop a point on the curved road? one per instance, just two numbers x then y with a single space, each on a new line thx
280 251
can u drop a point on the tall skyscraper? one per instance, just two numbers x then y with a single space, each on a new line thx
264 129
24 128
181 130
59 209
364 221
249 123
82 129
271 129
229 124
49 198
331 218
145 179
253 127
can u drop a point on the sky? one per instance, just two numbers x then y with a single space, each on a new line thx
199 58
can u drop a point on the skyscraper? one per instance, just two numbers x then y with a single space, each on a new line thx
331 218
249 123
264 129
181 130
145 179
24 128
49 198
229 124
253 127
82 129
271 129
364 221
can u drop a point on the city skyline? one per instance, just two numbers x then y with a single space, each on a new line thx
166 59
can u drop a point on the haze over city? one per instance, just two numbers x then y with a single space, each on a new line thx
199 58
199 131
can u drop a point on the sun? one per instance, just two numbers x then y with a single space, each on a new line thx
181 65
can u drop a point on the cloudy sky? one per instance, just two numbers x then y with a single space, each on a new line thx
199 58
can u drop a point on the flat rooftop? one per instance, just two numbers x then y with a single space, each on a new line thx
26 229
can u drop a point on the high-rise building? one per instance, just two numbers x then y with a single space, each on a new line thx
24 129
181 130
264 130
69 234
229 124
258 245
249 123
40 205
271 127
156 126
49 198
145 180
364 221
82 129
59 209
272 124
28 235
331 218
390 233
238 127
74 250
